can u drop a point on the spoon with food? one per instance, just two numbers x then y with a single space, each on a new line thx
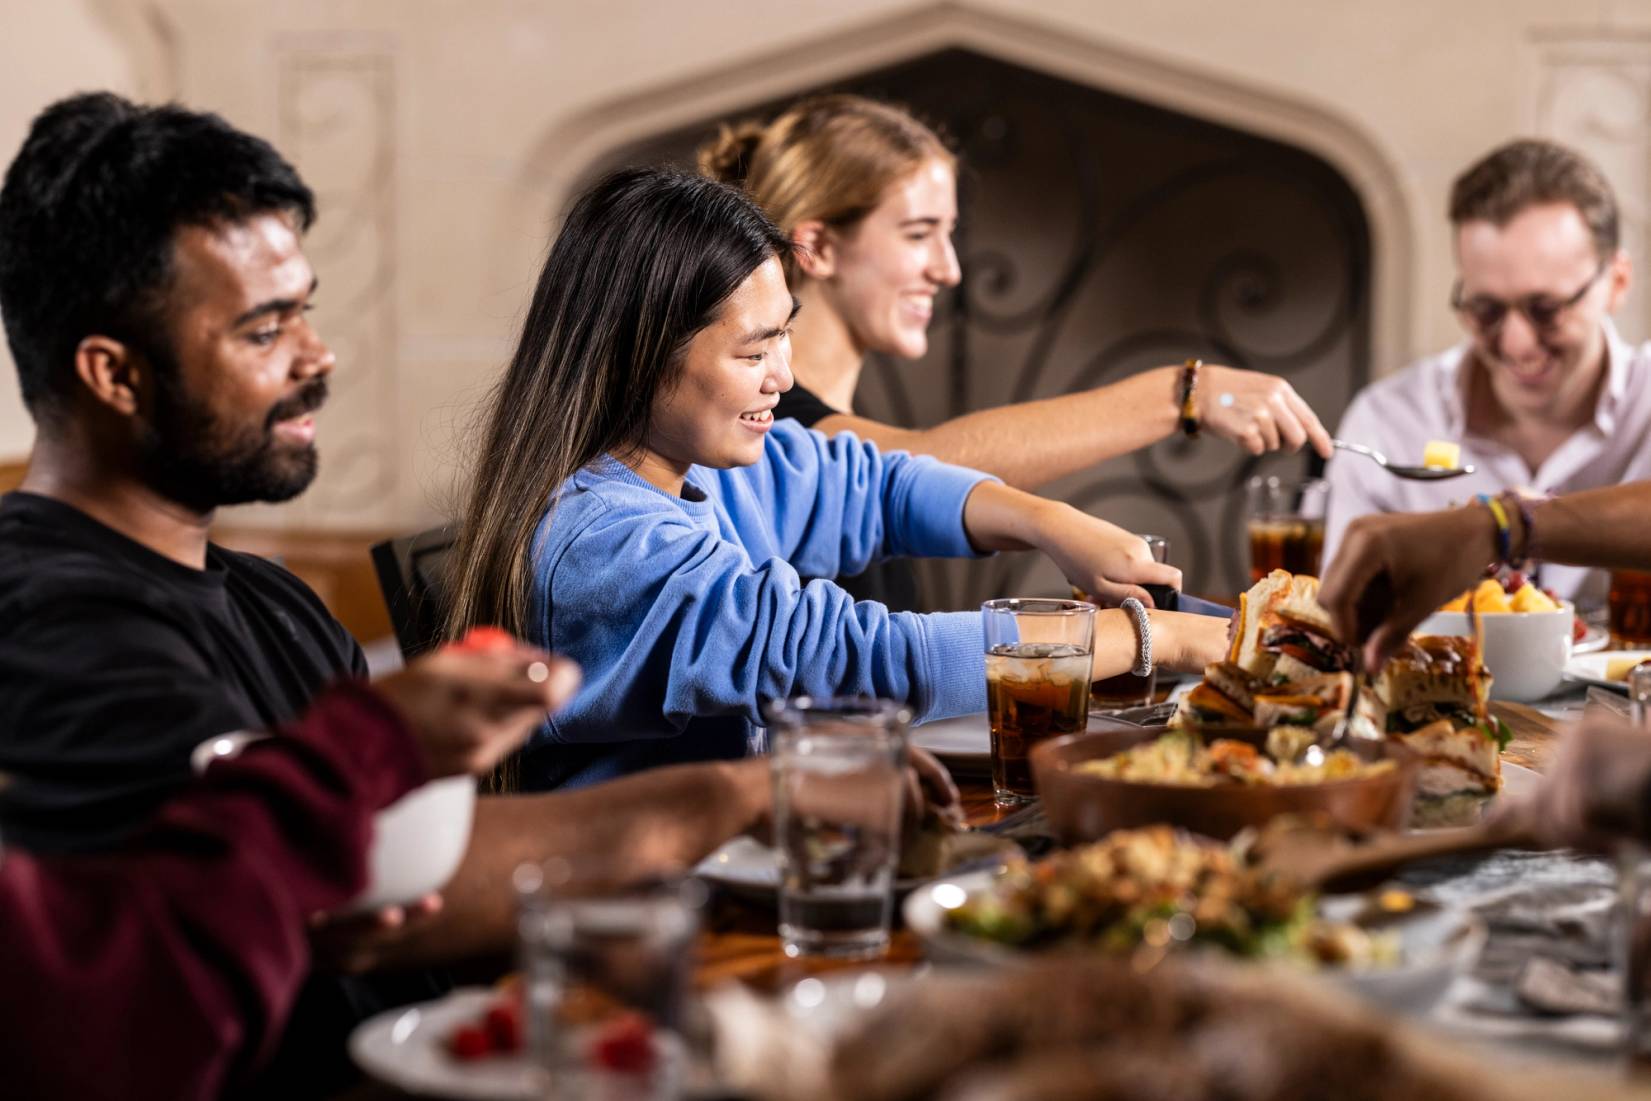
1439 461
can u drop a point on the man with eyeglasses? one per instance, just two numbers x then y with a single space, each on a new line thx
1543 396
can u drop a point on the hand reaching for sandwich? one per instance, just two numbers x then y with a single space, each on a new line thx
1393 571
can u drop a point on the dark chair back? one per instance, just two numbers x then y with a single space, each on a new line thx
413 574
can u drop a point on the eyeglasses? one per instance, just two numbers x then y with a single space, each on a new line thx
1486 314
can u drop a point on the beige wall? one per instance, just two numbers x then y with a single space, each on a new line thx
46 50
443 134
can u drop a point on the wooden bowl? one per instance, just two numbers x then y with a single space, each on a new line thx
1082 807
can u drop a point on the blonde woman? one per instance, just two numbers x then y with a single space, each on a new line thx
868 194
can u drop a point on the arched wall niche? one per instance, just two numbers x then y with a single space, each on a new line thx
566 152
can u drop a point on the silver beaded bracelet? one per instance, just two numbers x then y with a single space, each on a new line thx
1143 632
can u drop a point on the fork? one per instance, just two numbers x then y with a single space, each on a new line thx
1399 470
1342 735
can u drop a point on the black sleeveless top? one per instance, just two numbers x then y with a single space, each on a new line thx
891 582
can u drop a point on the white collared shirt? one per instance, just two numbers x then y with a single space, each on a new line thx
1427 401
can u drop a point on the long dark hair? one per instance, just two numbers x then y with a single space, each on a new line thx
644 261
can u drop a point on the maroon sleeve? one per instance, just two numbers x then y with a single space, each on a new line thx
166 968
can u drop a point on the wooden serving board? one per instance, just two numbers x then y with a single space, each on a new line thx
1534 735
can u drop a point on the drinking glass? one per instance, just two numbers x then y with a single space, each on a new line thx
1286 525
1630 604
838 768
1039 659
605 978
1126 689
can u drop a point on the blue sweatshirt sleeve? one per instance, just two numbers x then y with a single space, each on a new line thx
671 622
838 503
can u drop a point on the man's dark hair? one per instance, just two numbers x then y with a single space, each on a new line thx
88 214
1526 173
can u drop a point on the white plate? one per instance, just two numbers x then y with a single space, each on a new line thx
749 869
964 741
407 1049
1590 668
1594 638
1437 943
782 1046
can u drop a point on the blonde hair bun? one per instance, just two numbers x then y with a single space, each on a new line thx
828 158
727 157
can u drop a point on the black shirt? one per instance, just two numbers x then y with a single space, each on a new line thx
115 662
891 582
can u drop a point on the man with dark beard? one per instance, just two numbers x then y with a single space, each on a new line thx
154 295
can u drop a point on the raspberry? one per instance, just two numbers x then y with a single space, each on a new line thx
504 1026
469 1043
625 1045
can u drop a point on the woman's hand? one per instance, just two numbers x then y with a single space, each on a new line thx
1258 412
1186 643
1392 572
1102 559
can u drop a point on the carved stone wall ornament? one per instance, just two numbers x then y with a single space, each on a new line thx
1593 93
336 123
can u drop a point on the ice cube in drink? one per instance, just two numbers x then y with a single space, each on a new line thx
1034 691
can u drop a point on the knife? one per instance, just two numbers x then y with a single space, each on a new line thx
1614 703
1169 600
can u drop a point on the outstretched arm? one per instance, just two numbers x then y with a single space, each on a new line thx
655 824
1393 571
178 955
1032 443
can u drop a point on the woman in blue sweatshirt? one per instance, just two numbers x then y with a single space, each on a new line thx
637 508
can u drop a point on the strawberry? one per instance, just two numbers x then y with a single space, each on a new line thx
1513 582
484 640
470 1042
625 1045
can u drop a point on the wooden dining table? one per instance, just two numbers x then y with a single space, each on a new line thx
739 940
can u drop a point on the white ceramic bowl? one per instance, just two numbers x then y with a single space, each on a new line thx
418 842
1525 651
